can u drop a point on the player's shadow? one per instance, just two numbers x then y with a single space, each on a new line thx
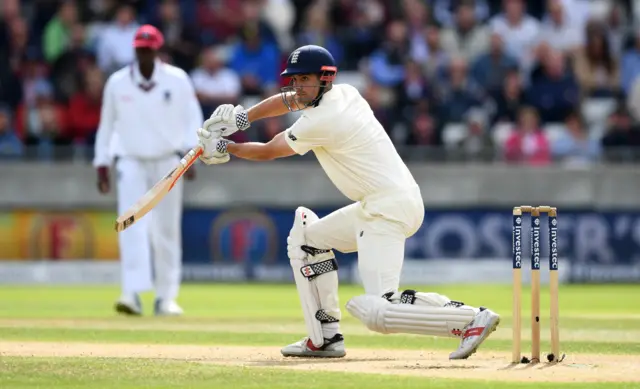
314 361
510 366
437 367
530 365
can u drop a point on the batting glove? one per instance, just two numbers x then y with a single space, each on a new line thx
214 149
226 120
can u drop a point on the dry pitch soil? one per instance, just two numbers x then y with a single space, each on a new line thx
487 365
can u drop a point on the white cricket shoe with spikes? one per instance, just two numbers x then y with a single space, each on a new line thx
474 333
332 348
129 304
167 308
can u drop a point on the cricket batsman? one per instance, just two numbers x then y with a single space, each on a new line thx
149 114
356 153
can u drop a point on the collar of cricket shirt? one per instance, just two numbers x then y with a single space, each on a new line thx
143 83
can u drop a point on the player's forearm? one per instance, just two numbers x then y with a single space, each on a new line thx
252 151
269 107
101 145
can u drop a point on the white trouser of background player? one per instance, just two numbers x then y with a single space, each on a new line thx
151 249
377 229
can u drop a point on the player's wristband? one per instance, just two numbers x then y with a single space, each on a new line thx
242 121
221 146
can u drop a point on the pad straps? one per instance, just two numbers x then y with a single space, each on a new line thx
313 270
409 297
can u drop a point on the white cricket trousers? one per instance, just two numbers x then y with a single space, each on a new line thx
151 249
377 228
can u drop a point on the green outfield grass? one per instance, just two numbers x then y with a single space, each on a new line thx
594 320
280 302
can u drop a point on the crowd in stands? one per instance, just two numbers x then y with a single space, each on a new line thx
533 82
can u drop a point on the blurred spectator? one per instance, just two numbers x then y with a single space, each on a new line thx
316 30
630 68
519 31
423 131
252 18
404 119
555 91
576 146
10 144
633 101
9 11
84 108
415 87
622 139
618 29
467 37
359 29
256 61
478 144
219 20
386 65
280 15
458 93
576 12
420 64
66 71
379 105
34 80
489 69
57 33
44 123
182 41
535 68
214 83
19 43
527 144
14 55
345 13
445 10
114 48
188 11
595 67
510 99
557 31
438 58
417 16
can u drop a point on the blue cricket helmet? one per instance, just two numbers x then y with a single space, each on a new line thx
310 59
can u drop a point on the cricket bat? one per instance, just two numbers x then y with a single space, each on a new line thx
157 193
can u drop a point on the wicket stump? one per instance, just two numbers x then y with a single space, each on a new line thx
535 212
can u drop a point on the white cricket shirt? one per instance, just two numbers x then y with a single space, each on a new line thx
151 124
351 145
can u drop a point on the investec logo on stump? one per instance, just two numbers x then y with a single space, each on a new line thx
535 232
517 243
553 245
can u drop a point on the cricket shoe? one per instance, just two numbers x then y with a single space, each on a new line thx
166 308
474 333
129 305
332 348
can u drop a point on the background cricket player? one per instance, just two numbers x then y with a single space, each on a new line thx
149 115
338 125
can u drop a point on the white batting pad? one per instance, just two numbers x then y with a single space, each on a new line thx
310 303
316 277
383 316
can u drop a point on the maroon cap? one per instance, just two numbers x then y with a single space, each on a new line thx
149 37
